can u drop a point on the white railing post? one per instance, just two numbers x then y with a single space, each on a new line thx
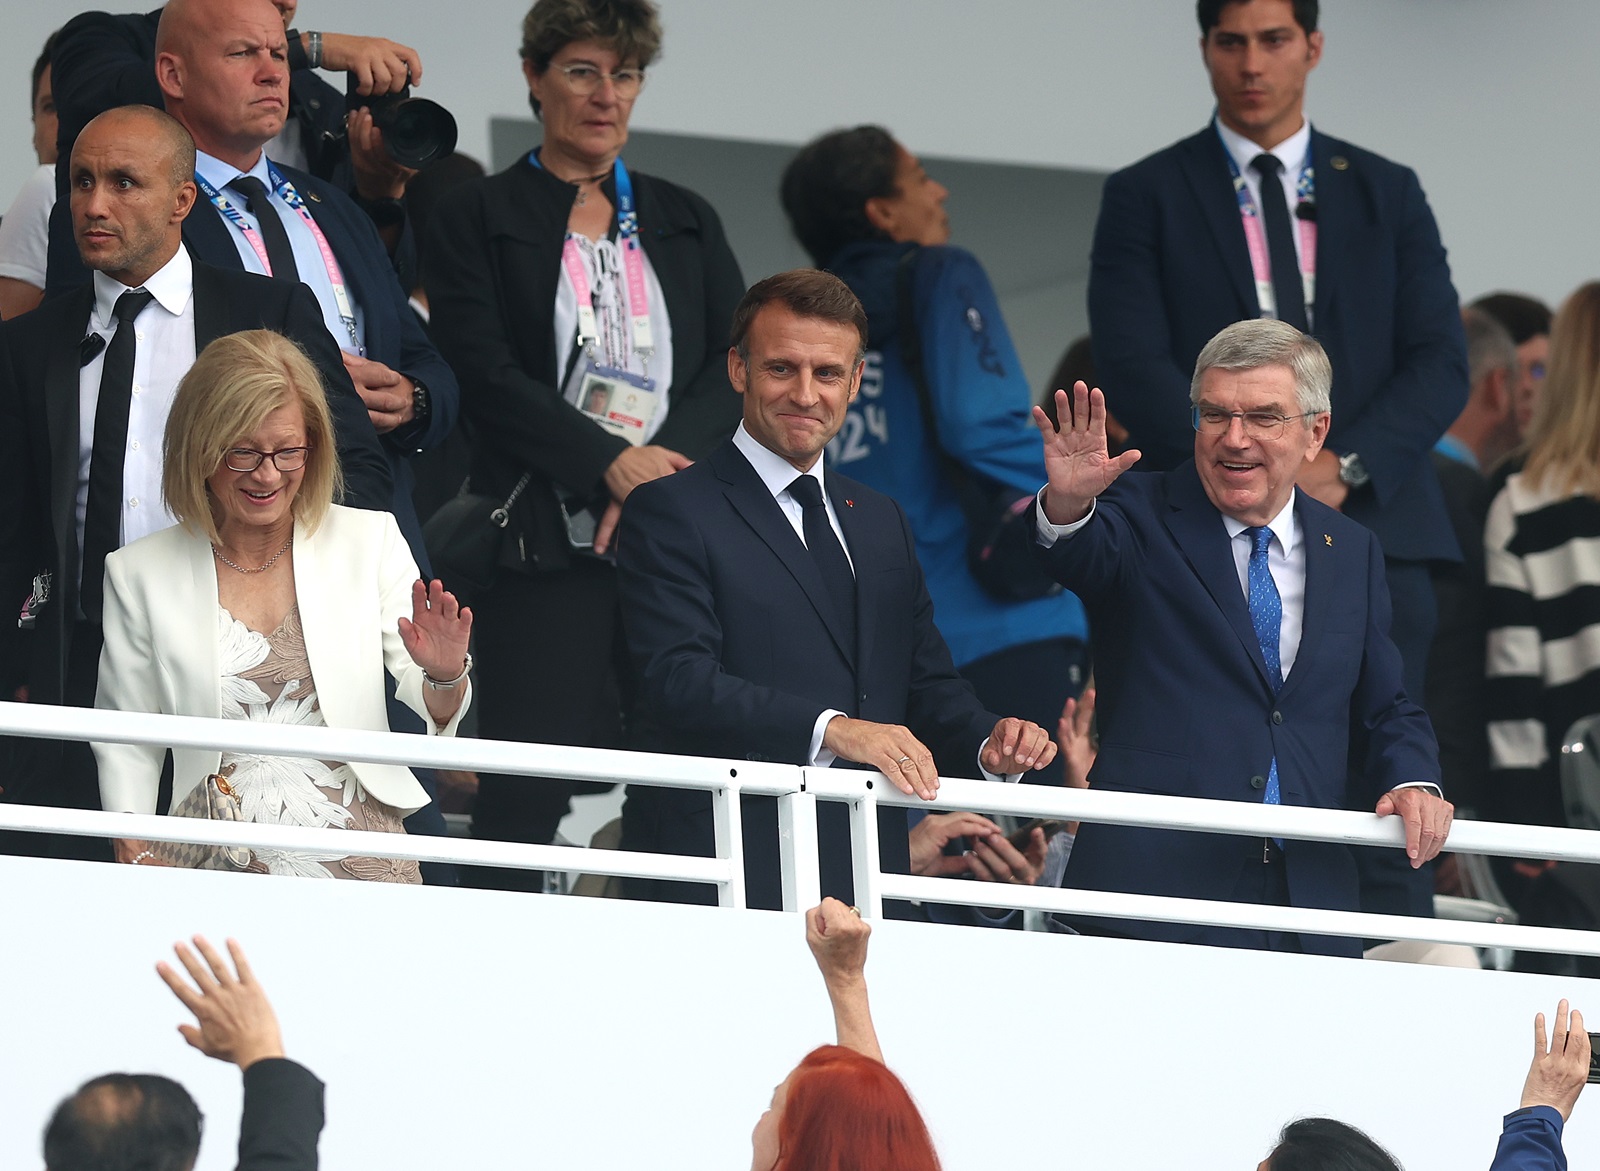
864 846
727 815
797 851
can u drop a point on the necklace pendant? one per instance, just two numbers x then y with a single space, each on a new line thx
583 197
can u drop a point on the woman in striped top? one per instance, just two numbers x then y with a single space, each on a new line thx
1543 561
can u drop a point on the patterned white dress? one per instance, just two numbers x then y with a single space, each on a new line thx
267 678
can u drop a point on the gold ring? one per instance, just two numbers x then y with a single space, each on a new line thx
856 911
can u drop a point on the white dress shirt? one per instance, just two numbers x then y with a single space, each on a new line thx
164 331
777 474
1291 152
307 255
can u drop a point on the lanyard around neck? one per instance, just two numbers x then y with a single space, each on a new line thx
285 190
1255 235
632 267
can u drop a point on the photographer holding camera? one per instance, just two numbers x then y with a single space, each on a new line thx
102 60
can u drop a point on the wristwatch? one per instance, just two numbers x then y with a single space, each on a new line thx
421 404
1352 471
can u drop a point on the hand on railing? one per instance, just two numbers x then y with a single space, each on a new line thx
1427 819
236 1021
1561 1067
1016 746
889 748
837 936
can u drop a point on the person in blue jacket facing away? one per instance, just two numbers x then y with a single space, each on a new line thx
864 208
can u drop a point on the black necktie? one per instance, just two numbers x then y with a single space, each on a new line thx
280 253
1286 286
102 519
829 555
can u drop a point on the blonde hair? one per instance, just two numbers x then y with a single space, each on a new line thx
1563 440
235 383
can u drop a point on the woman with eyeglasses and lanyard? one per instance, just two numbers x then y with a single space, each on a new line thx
269 603
585 308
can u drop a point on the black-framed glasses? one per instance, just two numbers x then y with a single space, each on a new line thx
584 79
248 459
1257 424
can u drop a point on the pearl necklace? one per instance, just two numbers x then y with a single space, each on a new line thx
234 565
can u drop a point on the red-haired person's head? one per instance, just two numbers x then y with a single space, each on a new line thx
842 1111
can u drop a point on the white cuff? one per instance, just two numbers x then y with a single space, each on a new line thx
1429 785
1008 778
817 755
1048 534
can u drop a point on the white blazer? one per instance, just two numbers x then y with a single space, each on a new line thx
352 580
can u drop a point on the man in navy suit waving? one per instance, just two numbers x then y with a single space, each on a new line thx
776 611
1242 641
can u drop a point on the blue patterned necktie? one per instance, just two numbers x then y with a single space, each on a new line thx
1266 615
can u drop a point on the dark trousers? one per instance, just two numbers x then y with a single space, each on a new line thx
1032 681
548 672
62 773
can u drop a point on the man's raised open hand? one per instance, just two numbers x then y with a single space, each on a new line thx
1076 457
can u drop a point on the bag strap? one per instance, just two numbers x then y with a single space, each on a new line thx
502 515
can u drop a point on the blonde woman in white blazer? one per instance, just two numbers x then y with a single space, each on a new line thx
268 602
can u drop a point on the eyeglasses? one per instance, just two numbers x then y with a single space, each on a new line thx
248 459
583 80
1257 424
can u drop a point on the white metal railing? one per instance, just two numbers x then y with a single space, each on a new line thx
798 790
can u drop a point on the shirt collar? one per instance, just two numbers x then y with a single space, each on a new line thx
776 472
1283 525
219 174
1291 152
171 285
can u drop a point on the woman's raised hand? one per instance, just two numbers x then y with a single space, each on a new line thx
436 634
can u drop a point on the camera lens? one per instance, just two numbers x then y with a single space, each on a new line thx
419 131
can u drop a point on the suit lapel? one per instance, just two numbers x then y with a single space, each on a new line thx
62 423
1205 167
1321 568
751 500
1197 527
1337 210
318 600
207 677
860 543
209 307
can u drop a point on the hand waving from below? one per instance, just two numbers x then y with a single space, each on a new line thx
436 634
1560 1068
889 748
235 1021
1076 457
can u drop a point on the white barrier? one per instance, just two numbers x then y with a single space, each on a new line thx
797 790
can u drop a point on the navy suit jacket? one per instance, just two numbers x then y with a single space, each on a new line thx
1170 269
1185 707
737 653
394 336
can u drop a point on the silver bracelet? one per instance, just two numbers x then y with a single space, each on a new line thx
141 856
448 684
314 50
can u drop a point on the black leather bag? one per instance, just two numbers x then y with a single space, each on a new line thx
1000 544
464 539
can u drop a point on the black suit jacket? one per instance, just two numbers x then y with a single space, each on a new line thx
494 263
738 654
1170 269
39 449
282 1117
394 336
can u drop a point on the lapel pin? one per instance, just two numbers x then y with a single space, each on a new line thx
315 198
849 503
1340 163
1328 539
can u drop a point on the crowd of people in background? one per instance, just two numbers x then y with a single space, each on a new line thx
1322 535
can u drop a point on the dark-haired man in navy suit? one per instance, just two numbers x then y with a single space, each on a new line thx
776 611
1260 215
1242 642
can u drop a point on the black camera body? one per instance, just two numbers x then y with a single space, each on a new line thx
415 130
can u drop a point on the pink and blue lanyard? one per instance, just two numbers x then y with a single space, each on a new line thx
285 191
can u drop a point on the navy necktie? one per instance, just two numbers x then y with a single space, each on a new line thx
1287 289
828 553
280 253
1266 615
102 517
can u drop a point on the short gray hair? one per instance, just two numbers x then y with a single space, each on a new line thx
1261 341
1489 347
